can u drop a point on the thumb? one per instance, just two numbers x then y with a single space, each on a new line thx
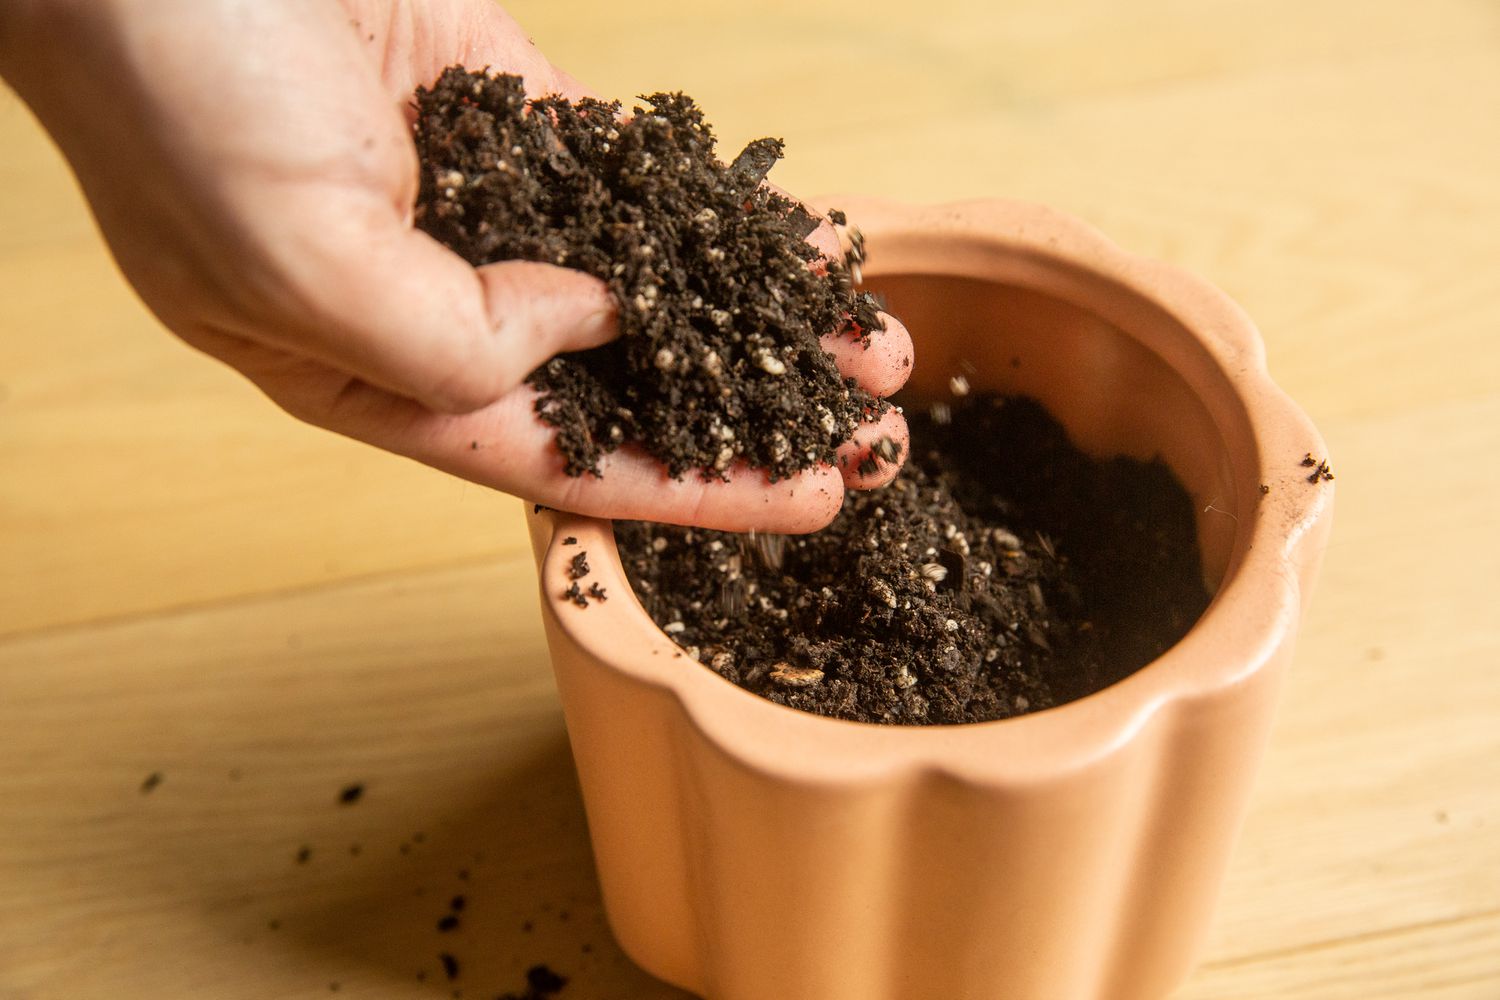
417 320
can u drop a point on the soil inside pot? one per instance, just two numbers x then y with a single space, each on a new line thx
721 300
1003 572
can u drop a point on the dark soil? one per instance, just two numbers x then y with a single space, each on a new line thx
541 984
722 300
1003 572
1321 472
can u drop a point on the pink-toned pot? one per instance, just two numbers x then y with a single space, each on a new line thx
752 852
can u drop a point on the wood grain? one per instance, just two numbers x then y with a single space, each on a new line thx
193 584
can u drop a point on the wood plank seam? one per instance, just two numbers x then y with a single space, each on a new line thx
1327 944
86 625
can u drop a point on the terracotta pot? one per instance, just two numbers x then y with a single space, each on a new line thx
752 852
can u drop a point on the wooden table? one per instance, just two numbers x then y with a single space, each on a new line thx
192 584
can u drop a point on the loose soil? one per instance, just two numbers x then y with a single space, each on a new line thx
1002 572
721 299
541 984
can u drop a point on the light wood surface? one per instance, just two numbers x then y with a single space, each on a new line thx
193 584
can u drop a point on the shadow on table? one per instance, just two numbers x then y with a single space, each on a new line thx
508 872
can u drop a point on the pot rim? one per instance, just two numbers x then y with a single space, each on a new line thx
1255 609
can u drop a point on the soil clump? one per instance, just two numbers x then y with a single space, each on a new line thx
722 301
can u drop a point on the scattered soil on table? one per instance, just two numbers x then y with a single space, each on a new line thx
721 299
1003 572
541 984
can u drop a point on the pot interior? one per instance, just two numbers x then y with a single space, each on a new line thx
1113 393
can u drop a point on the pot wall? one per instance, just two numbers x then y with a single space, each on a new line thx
747 851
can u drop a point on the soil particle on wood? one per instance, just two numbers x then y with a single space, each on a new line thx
351 794
1003 572
152 781
721 299
542 983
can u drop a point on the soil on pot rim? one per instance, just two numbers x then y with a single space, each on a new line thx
721 300
1003 572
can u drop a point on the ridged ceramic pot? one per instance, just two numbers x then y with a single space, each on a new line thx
748 851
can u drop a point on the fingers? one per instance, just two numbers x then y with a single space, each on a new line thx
635 486
414 50
506 447
876 453
882 366
418 321
825 239
539 311
570 86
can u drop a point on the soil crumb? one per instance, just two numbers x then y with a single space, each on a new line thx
1003 572
541 984
721 299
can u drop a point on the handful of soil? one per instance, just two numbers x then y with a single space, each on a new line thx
722 300
1003 572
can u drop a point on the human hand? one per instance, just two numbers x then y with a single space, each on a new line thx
251 165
